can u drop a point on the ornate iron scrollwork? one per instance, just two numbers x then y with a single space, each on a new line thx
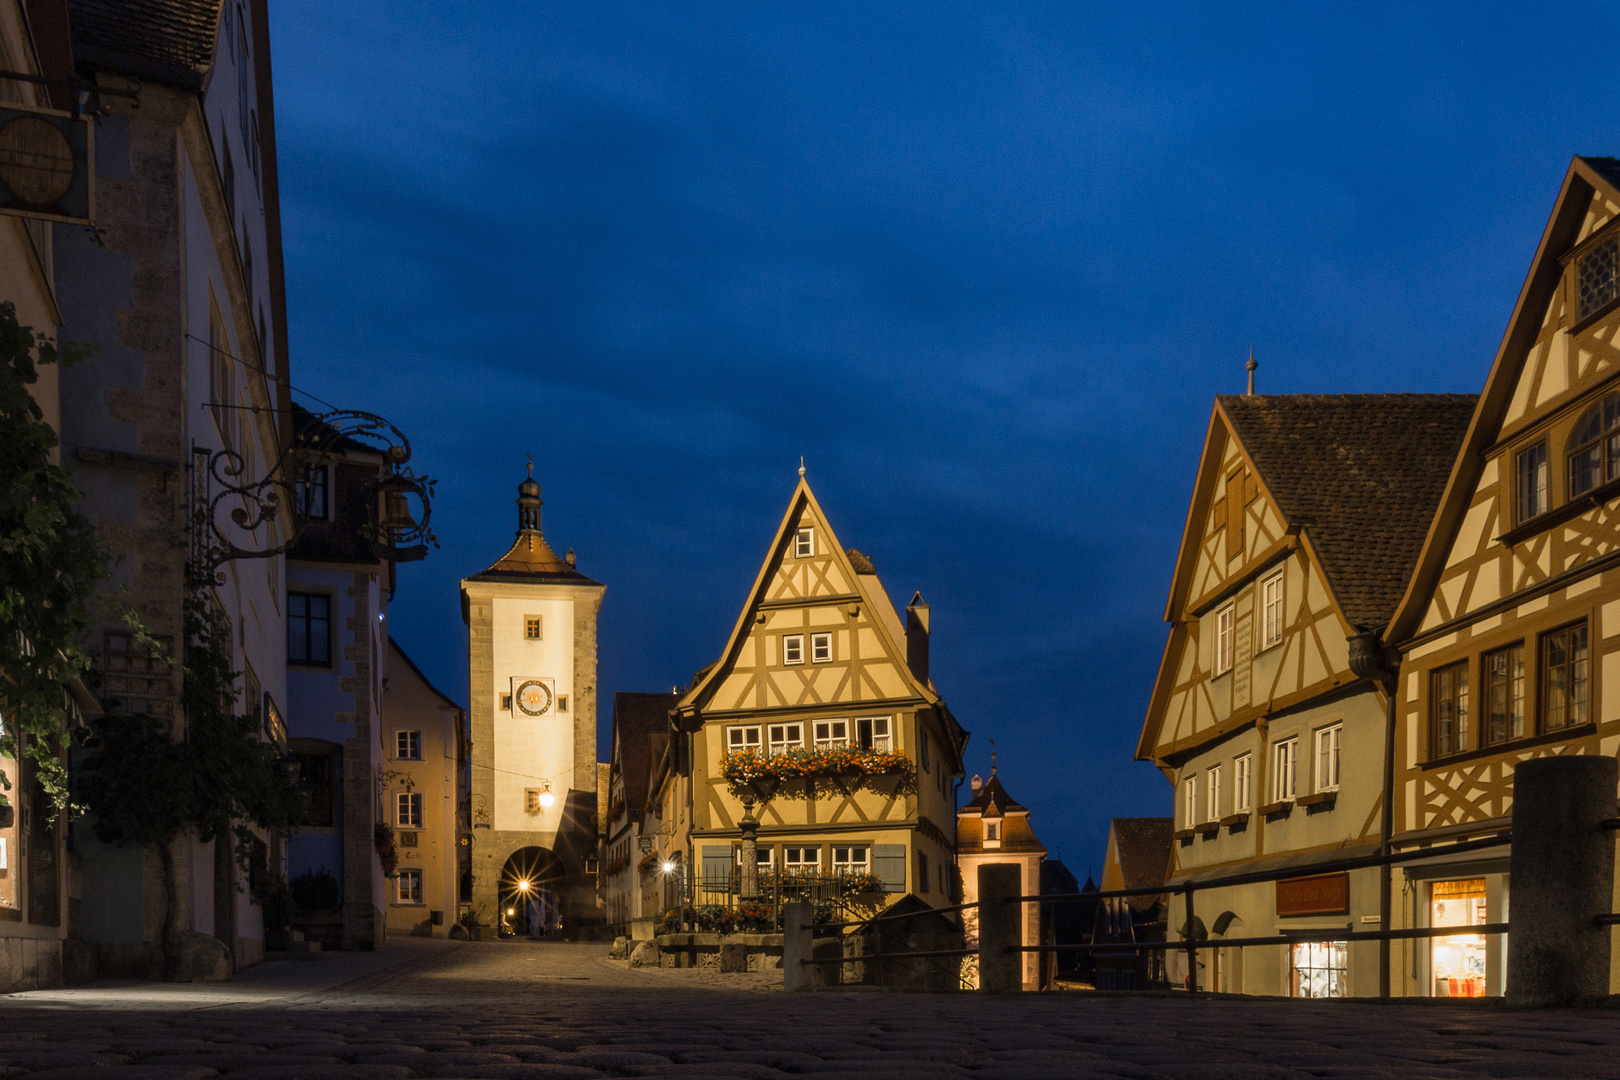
395 532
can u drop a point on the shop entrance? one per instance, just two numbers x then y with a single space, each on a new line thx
1457 962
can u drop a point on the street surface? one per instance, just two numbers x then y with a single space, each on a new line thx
424 1008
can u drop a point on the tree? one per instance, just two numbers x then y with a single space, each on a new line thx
51 565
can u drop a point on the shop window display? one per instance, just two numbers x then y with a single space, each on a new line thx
1319 969
1458 961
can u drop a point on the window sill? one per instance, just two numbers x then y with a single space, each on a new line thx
1319 798
1278 808
1207 828
1232 821
319 668
1184 834
1440 761
1547 519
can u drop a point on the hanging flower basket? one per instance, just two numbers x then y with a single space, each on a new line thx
850 767
648 863
382 839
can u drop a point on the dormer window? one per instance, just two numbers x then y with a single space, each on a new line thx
1594 447
1597 277
992 830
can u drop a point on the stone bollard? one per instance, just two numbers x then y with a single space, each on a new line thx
797 936
1563 879
1001 964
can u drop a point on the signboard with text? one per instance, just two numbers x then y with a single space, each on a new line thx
1324 894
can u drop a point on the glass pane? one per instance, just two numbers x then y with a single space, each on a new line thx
1584 470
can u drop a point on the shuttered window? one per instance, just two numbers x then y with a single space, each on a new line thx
889 863
717 867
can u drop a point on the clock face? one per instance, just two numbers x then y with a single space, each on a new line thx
533 698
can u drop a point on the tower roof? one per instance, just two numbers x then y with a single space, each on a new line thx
992 800
531 558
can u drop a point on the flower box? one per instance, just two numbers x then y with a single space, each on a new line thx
848 767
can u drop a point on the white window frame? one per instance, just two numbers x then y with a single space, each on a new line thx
849 864
1271 610
745 737
798 864
409 874
1225 625
1242 767
829 733
1327 744
405 741
408 809
764 856
1214 784
875 733
821 648
792 648
1285 769
992 832
781 738
1189 802
804 543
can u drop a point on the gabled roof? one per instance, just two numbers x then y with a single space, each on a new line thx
170 41
1584 177
992 793
867 586
440 694
1361 475
637 719
1142 845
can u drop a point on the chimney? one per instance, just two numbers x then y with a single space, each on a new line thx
975 783
917 637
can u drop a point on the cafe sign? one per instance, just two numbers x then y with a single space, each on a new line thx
1324 894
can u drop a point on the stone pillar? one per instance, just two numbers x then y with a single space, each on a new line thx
1562 879
748 880
797 943
1001 963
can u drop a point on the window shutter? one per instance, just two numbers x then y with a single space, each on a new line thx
717 867
889 863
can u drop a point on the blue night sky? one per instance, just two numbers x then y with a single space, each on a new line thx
984 266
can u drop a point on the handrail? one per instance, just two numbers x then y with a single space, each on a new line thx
1255 876
891 956
1297 937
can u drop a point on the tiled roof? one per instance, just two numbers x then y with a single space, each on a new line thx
531 559
1143 844
637 718
1606 167
170 41
992 789
1362 475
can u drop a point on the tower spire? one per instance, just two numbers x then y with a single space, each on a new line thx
1249 367
529 504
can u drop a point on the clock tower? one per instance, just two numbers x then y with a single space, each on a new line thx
531 621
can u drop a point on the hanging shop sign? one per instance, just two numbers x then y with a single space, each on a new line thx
45 165
1324 894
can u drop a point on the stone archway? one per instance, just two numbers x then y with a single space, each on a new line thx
528 893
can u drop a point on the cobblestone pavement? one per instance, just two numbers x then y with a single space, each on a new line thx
497 1010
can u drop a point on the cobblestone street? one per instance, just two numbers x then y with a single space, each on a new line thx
497 1010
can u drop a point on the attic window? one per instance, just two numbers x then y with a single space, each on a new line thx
992 831
1596 276
804 543
1594 447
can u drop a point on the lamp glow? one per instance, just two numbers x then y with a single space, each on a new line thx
523 886
668 867
547 799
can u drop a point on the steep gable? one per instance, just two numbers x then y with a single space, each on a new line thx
1549 361
1328 499
805 589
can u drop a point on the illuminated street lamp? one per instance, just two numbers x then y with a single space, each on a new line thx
668 868
547 799
523 886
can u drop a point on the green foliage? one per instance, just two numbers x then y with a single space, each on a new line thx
51 563
219 779
316 890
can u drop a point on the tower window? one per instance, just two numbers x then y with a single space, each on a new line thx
531 627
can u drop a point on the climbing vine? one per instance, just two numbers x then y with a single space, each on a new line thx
51 565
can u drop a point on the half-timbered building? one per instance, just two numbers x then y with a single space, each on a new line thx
1509 631
854 753
1307 516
